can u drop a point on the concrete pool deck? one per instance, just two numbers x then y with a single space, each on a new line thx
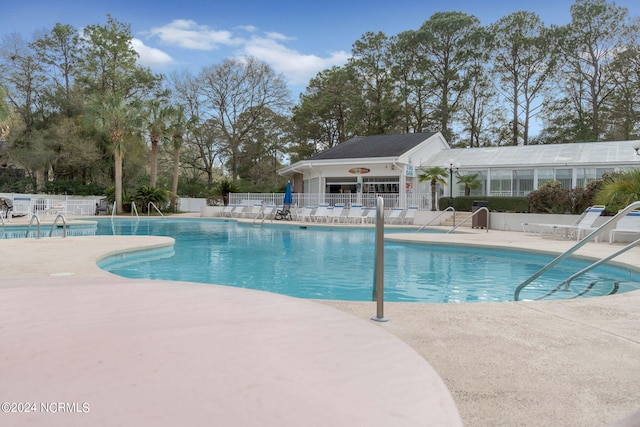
561 363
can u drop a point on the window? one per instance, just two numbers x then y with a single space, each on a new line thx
500 183
565 177
522 182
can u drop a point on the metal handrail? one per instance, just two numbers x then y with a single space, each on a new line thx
134 209
31 222
155 207
64 225
474 213
113 210
598 263
602 228
450 208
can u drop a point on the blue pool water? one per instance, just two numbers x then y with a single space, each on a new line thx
338 264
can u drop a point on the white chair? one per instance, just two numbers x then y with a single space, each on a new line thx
226 212
253 211
370 218
628 224
355 214
410 214
238 211
267 212
584 224
321 213
335 214
395 216
303 214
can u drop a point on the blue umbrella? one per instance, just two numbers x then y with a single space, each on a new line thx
288 195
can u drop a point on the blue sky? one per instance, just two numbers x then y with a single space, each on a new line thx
297 38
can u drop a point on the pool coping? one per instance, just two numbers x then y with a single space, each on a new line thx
504 363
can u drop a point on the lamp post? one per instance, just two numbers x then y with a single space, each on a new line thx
451 169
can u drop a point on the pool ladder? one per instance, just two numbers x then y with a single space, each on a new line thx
53 226
604 227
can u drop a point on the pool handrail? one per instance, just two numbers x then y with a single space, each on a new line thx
134 209
602 228
64 225
450 208
156 208
474 213
37 218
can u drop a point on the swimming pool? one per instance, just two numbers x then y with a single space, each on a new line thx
325 263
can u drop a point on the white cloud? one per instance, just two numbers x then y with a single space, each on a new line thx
150 56
188 34
298 68
271 47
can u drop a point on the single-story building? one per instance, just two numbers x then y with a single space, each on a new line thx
364 167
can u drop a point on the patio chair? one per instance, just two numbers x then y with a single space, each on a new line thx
370 218
238 211
226 212
355 214
321 213
583 225
253 211
629 224
335 213
395 216
410 214
303 214
283 212
267 212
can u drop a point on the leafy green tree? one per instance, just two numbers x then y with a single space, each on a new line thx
434 175
524 61
449 42
588 44
324 114
379 109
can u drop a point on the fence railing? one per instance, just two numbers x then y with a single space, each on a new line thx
391 200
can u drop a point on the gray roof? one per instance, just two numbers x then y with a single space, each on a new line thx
374 146
585 153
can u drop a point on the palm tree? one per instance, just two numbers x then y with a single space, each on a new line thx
157 124
436 175
4 112
471 182
118 119
177 128
619 190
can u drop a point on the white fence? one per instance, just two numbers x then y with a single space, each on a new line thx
391 200
44 204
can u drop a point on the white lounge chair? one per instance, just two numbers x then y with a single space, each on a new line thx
335 214
303 214
226 212
583 225
267 212
321 213
410 214
395 216
238 211
355 214
629 224
370 218
253 211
